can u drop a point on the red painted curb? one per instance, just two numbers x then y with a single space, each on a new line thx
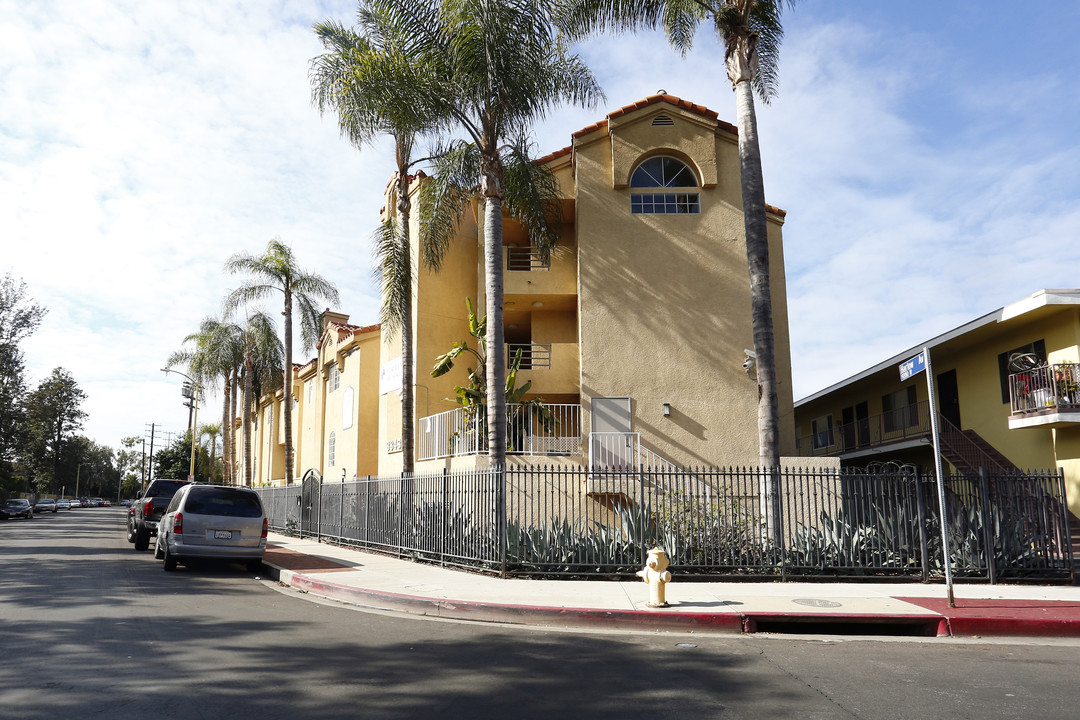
940 623
1013 627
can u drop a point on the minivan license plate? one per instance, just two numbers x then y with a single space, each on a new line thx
223 534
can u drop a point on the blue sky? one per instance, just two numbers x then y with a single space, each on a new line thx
926 153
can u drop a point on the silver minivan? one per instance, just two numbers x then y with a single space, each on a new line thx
217 522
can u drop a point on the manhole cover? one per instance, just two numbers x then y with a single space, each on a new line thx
816 602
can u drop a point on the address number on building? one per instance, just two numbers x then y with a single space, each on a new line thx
393 446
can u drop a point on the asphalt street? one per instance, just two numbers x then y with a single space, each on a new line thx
91 628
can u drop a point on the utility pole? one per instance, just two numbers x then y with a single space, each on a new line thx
150 472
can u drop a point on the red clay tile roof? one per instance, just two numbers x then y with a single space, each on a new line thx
557 154
652 100
670 99
589 128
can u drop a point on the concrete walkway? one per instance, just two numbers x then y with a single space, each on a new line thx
377 581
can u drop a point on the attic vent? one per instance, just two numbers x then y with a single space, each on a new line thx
662 120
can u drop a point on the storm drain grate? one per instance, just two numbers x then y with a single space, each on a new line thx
848 625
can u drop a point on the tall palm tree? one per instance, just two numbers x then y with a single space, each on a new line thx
367 79
264 358
504 68
751 32
272 272
211 431
216 350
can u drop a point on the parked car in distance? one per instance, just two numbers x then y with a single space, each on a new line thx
214 522
63 504
106 503
96 502
17 507
84 502
45 505
125 502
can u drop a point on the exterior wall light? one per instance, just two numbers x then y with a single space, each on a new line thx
667 409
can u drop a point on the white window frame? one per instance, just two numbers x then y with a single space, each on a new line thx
347 408
652 195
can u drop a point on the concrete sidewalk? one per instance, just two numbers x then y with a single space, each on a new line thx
377 581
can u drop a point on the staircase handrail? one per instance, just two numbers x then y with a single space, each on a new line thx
968 451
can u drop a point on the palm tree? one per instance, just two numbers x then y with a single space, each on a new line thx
368 80
504 68
276 271
216 350
211 430
264 358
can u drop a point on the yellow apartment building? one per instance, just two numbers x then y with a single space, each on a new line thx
335 418
1006 393
634 332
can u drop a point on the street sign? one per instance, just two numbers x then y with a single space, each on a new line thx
913 367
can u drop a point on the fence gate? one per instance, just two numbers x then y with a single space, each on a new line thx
310 487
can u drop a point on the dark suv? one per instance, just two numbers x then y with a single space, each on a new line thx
146 511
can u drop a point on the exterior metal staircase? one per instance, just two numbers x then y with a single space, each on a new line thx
967 451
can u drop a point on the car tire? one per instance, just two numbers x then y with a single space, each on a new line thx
142 539
30 516
169 562
158 552
130 533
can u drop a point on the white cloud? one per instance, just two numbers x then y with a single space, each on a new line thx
142 143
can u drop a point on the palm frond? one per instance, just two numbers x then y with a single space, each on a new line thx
393 272
532 196
445 197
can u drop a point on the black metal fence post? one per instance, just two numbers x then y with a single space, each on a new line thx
500 490
987 526
920 502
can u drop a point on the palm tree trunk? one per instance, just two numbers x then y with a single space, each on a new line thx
248 369
287 400
236 392
226 476
496 350
408 403
213 452
757 258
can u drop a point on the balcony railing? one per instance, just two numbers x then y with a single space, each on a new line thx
1050 388
905 423
532 356
525 259
460 432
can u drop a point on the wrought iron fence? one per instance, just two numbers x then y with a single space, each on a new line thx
572 521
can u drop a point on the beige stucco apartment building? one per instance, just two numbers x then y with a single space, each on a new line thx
634 333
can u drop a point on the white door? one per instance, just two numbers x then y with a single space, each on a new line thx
612 442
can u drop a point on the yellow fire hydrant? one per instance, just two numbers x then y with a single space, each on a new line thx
656 574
